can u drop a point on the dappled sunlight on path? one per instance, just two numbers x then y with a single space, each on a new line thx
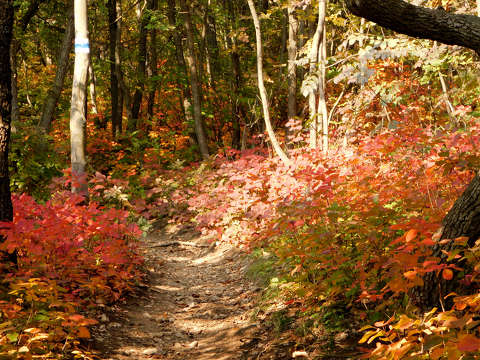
197 305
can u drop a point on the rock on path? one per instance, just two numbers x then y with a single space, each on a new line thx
196 306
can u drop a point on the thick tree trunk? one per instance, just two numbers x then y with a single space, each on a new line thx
6 33
55 91
453 29
195 85
463 219
420 22
261 87
77 111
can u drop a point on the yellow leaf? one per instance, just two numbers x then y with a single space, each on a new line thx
23 350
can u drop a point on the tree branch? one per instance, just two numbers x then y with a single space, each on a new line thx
420 22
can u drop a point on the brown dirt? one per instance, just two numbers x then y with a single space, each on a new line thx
196 306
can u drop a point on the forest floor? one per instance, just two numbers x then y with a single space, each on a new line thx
197 304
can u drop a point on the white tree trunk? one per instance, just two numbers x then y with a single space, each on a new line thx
92 86
261 87
77 110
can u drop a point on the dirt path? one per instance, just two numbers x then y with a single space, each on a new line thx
196 306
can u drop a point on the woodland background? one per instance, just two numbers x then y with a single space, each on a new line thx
339 197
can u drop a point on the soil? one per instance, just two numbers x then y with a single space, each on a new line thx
197 304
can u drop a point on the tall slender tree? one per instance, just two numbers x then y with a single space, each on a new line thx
144 18
194 81
292 56
79 93
114 86
55 90
261 87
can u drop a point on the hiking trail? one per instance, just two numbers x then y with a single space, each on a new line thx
197 304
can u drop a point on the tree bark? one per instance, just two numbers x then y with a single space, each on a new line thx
292 57
123 91
315 75
195 85
322 100
77 111
238 110
92 85
55 91
152 67
420 22
212 45
141 66
29 14
261 87
463 219
6 34
13 62
114 87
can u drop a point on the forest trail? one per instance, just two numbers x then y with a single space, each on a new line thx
197 304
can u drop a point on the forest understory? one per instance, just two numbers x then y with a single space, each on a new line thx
257 179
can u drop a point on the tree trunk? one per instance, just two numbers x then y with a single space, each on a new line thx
6 33
13 62
144 18
212 45
185 103
285 34
314 78
195 85
261 87
114 87
77 111
463 219
238 110
152 67
322 101
92 85
292 57
122 94
55 91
